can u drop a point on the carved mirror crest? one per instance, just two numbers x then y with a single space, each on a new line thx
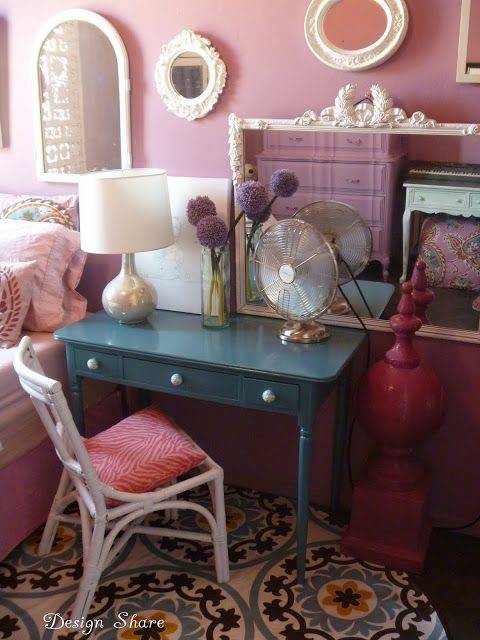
80 57
190 75
330 36
360 153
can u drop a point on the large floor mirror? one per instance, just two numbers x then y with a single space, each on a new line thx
394 170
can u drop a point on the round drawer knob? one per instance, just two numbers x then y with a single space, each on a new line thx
176 380
268 396
421 198
92 363
460 200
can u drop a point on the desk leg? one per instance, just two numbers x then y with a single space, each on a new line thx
406 243
75 383
303 497
341 434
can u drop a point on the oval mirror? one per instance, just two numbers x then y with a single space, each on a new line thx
190 75
337 38
79 57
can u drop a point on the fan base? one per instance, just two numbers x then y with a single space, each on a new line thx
305 332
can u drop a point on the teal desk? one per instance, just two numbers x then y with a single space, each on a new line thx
245 365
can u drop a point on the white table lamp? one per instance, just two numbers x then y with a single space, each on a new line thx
125 211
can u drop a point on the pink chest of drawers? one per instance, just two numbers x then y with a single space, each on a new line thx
360 169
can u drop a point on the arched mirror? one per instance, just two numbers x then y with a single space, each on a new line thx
80 58
468 61
338 39
190 75
413 180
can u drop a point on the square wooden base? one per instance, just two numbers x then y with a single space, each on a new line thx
389 527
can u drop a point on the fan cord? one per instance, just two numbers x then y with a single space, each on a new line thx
358 288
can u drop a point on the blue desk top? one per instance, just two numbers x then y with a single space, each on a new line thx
250 344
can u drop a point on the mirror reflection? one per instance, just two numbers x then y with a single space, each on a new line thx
189 74
435 178
473 42
346 32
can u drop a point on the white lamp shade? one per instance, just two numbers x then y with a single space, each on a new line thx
124 211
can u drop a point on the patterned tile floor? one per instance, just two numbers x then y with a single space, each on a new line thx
166 590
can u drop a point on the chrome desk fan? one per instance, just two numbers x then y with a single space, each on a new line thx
350 238
296 272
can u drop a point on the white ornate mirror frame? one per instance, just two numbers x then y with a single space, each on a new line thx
463 74
121 57
366 58
347 114
190 108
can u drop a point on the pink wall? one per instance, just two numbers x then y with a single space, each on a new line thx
271 73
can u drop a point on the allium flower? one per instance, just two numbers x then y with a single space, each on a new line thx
200 207
212 232
283 183
252 198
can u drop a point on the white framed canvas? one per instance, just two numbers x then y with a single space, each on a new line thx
174 271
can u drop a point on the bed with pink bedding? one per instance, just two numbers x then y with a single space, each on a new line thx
40 268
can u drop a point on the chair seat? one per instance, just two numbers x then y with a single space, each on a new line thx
142 452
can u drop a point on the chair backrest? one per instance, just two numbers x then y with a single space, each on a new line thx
51 405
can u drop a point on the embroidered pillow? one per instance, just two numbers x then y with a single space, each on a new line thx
16 286
60 263
142 452
60 209
450 247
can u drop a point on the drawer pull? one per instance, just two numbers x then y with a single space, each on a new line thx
356 142
353 180
460 200
92 363
268 396
176 380
295 139
420 198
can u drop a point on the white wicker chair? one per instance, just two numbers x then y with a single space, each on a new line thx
109 517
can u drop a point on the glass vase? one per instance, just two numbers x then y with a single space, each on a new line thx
251 238
215 267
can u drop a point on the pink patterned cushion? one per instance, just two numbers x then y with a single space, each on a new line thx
16 286
450 247
142 452
60 209
60 263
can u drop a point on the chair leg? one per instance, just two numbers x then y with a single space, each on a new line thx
50 529
219 537
91 573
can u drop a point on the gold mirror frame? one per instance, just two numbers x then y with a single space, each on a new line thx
347 114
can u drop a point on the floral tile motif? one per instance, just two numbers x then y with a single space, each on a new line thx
166 589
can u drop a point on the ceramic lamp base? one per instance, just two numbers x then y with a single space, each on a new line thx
128 298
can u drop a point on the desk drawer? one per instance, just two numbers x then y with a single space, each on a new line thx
439 198
102 365
354 176
275 395
183 380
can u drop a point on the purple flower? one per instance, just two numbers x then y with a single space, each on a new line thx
252 197
212 232
200 207
283 183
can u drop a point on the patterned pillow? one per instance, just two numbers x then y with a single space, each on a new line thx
450 247
142 452
16 286
38 210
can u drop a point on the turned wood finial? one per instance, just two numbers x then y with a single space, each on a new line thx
422 295
404 324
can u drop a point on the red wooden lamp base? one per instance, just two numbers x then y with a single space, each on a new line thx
389 527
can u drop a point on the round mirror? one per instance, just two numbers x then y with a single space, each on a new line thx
189 74
345 33
355 34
